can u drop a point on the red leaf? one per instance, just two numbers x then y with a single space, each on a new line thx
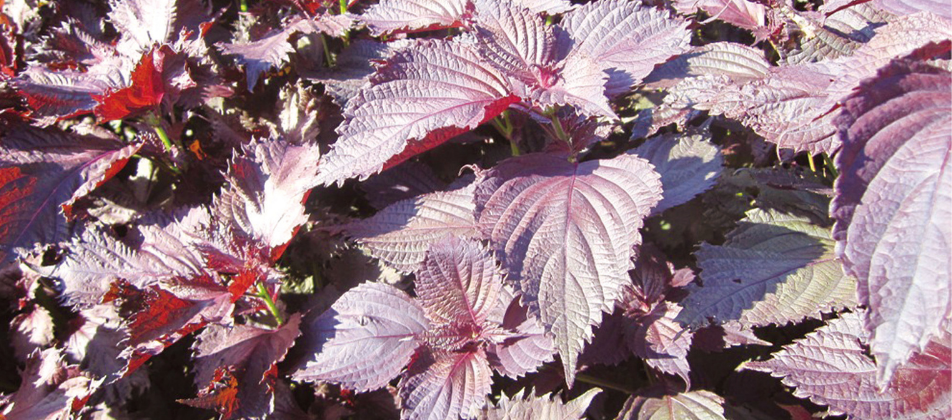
145 91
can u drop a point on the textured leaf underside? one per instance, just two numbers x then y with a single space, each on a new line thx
565 233
893 205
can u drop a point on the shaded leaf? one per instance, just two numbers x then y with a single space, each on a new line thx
661 341
420 98
547 217
694 405
252 354
401 233
689 164
42 173
892 206
831 367
366 338
50 389
773 269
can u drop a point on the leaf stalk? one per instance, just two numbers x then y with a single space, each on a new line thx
264 295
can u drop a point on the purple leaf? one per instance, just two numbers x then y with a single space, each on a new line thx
49 389
445 385
366 338
689 164
831 367
97 346
775 268
524 406
527 347
662 342
271 50
694 405
546 216
253 354
736 61
401 233
42 173
625 38
353 67
908 7
458 283
892 206
268 187
840 34
741 13
521 45
144 23
412 15
420 98
404 181
96 260
57 95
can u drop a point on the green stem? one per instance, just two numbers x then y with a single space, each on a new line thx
828 163
166 141
263 294
343 6
812 164
243 5
586 378
557 125
327 52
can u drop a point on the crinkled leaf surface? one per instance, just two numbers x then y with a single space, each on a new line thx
49 388
907 7
831 367
401 233
661 341
565 232
694 405
775 268
445 385
526 347
736 61
252 353
529 407
353 67
268 186
409 15
521 45
366 338
144 23
625 38
42 173
689 164
458 284
741 13
893 203
420 98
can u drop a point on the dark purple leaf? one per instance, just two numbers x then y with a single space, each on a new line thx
689 164
271 50
546 217
31 330
366 338
62 94
50 389
625 38
694 405
420 98
404 181
524 406
662 342
445 385
774 268
144 23
353 67
42 173
401 233
831 367
892 205
252 353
